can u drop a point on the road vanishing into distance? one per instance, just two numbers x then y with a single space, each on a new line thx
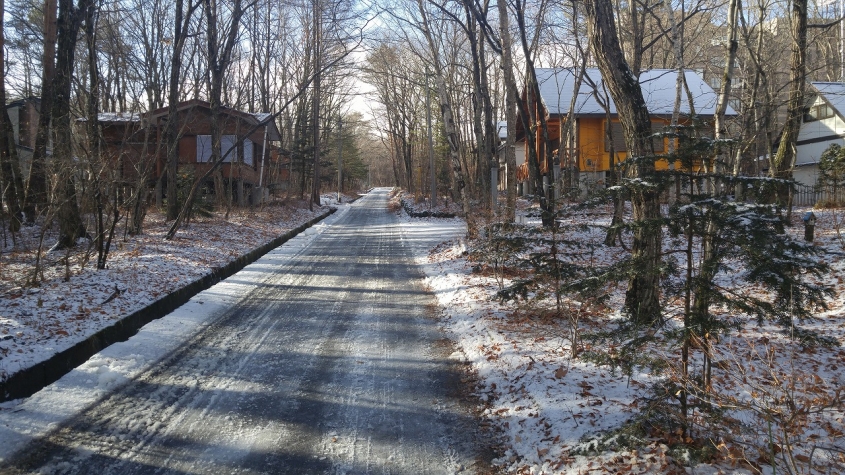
334 364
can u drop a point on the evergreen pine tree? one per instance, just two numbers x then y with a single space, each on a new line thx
832 173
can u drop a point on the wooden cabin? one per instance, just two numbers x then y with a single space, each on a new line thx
588 153
137 142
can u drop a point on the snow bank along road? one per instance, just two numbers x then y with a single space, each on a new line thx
329 363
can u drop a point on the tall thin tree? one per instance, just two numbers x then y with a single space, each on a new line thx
10 179
36 195
642 299
181 24
783 161
70 219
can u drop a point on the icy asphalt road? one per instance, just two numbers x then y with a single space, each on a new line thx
332 364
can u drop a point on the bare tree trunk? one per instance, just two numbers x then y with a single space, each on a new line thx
219 59
96 166
634 52
315 106
568 135
783 162
9 170
727 74
751 120
297 145
680 85
719 123
511 99
448 123
527 114
490 129
677 48
532 118
36 195
482 163
138 200
180 33
642 299
483 125
71 227
614 232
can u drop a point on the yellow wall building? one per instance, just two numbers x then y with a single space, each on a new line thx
589 148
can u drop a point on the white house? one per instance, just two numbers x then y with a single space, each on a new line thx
824 124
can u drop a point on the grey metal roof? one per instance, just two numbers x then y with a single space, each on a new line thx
834 94
658 86
261 116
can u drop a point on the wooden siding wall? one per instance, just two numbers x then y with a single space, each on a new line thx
188 149
592 155
124 145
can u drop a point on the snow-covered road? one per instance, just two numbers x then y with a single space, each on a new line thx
330 363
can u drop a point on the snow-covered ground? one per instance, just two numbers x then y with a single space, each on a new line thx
73 300
25 419
549 407
553 410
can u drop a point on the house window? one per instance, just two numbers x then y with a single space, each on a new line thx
248 152
818 112
825 111
619 140
204 148
227 142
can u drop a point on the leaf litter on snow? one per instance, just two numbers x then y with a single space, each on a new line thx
38 322
560 415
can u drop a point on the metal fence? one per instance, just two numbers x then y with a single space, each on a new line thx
812 195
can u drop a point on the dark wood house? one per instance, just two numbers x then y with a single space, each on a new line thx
137 143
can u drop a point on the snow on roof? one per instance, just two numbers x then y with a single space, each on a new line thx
118 117
834 94
261 116
658 86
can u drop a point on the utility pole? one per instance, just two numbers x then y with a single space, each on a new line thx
432 202
339 157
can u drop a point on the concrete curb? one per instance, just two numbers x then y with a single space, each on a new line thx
29 381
